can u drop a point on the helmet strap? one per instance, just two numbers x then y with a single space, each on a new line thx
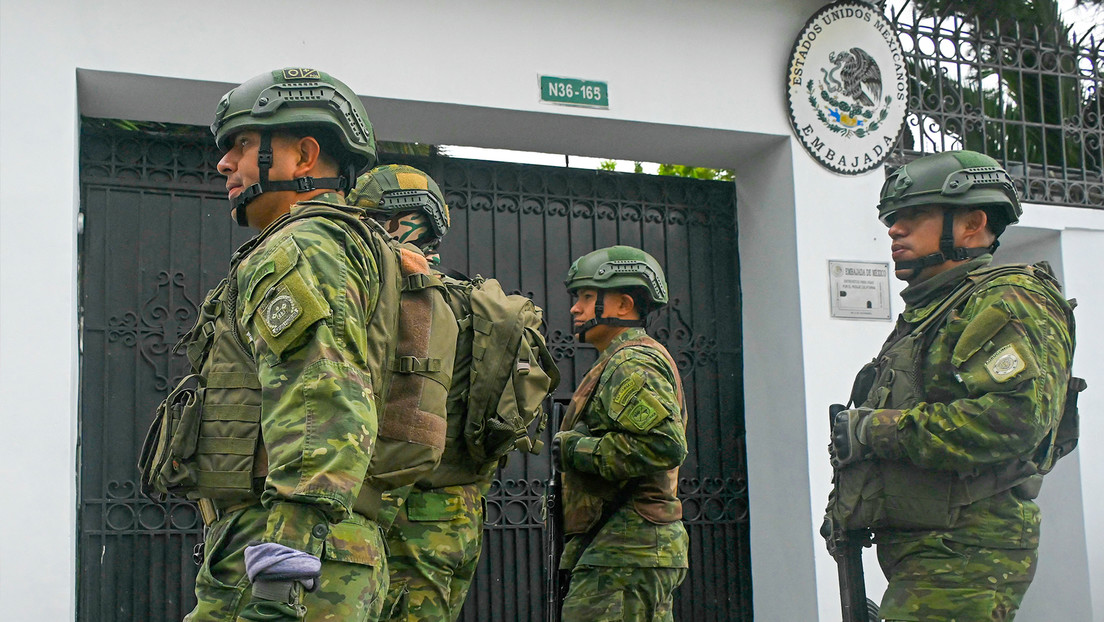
298 184
599 309
947 250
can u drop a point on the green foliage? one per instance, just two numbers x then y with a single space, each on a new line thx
680 170
607 165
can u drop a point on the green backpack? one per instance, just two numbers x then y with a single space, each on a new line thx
509 374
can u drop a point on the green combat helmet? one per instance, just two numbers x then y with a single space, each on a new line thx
621 268
951 179
297 99
393 189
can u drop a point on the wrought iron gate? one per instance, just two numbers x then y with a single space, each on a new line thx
157 235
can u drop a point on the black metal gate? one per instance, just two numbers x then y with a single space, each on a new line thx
156 235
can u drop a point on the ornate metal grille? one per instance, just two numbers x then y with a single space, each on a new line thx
157 236
1028 95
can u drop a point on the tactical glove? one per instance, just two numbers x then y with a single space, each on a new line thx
564 443
850 437
279 575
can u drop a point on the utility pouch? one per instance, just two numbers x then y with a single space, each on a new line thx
864 381
1069 428
171 441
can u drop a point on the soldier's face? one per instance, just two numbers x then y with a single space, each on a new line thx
915 232
409 227
583 311
239 165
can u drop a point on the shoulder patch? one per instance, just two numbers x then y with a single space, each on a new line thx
1005 364
280 310
643 414
626 391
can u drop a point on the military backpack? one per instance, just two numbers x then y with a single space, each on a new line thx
504 370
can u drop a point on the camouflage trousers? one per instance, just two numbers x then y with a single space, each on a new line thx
937 579
616 594
352 585
433 551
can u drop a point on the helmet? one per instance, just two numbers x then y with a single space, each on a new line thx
619 268
951 179
299 97
393 189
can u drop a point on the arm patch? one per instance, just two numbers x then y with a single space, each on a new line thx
288 305
1005 364
643 413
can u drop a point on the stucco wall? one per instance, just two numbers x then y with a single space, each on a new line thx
697 83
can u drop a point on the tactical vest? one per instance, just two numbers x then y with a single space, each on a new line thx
590 498
896 495
205 440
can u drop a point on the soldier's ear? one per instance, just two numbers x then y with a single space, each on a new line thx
974 227
626 306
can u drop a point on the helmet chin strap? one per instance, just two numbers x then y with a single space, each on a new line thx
599 309
947 250
299 184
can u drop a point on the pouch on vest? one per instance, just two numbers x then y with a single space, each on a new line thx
165 459
512 372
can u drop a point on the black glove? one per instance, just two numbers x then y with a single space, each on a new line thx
568 439
850 437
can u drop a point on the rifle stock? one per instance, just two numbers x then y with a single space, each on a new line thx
846 547
555 582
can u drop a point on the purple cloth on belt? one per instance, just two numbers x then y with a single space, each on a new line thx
276 562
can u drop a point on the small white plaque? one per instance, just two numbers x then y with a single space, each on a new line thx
860 289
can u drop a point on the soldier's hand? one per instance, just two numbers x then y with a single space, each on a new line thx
563 444
850 437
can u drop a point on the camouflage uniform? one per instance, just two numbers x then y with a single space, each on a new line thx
629 568
433 550
975 415
303 323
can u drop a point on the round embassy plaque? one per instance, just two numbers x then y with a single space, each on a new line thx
848 87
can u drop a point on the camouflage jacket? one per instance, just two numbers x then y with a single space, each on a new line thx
306 292
994 381
621 448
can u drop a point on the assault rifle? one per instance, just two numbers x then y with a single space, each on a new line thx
555 583
846 547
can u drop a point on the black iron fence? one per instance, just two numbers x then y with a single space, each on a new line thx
1025 89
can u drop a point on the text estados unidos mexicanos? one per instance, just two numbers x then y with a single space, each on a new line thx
882 26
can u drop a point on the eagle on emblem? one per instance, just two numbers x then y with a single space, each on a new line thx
860 78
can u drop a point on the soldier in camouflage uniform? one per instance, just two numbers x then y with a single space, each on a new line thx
957 416
286 355
619 448
437 537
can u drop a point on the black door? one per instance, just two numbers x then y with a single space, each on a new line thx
157 234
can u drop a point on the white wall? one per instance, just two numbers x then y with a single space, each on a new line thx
694 82
38 310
